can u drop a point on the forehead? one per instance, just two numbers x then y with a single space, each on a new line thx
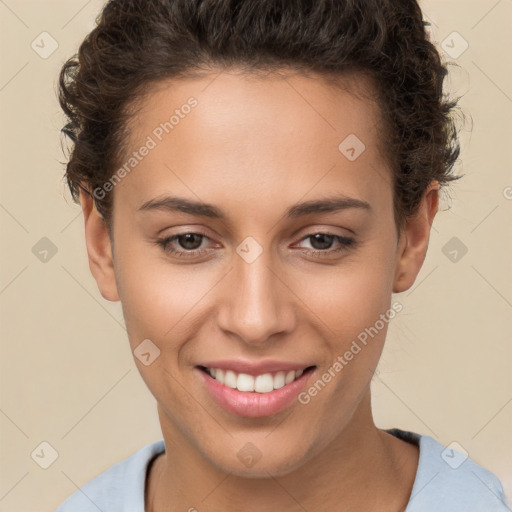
262 135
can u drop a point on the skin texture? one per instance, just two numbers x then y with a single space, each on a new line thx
254 147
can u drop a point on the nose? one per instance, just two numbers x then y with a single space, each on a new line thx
257 303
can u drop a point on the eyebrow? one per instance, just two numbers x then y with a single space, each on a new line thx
331 204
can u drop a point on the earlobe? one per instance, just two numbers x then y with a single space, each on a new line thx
99 249
413 245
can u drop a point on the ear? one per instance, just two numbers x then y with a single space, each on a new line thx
99 248
415 235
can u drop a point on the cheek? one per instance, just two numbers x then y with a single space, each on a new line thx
353 303
349 297
158 302
156 296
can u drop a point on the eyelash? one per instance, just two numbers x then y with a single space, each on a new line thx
346 243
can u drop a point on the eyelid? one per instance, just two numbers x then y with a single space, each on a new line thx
325 229
184 229
326 233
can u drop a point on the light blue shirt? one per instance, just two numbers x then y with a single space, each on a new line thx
446 481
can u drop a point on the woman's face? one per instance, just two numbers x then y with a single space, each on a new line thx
251 288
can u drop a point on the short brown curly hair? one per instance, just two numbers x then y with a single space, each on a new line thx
139 43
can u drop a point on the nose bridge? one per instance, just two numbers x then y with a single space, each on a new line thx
256 305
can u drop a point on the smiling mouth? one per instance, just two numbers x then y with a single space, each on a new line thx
264 383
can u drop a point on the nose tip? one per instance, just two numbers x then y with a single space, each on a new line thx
256 306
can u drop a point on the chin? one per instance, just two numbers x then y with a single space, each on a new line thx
250 462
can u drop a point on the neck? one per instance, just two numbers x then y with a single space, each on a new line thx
363 468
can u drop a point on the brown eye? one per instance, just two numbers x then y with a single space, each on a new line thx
321 243
189 241
183 244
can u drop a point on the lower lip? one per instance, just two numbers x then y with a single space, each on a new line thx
253 404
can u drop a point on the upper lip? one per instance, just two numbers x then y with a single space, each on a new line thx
255 368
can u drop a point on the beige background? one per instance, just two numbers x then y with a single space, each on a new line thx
67 375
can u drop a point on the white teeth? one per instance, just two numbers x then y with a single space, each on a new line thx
279 380
264 383
245 382
290 377
230 379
